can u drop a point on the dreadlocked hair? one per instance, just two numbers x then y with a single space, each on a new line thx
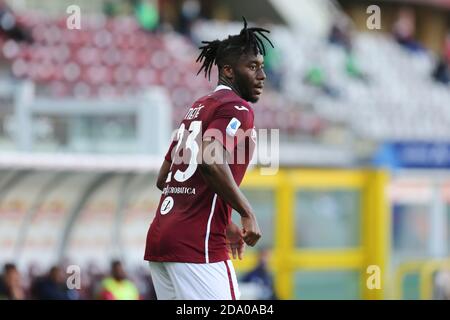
219 52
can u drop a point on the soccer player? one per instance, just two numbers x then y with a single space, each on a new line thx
189 240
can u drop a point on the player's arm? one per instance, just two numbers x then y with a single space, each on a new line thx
165 167
218 177
162 175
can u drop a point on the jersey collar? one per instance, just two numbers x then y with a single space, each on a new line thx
222 87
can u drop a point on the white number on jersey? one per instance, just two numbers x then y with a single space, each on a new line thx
191 144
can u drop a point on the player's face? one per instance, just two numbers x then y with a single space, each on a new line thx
249 76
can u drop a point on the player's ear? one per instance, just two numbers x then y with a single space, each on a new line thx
228 72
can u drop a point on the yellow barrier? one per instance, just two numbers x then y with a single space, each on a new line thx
427 276
286 259
426 271
402 270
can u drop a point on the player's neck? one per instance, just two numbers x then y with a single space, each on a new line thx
226 82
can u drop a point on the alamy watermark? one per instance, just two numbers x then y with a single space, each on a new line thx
373 281
74 279
256 147
373 22
74 20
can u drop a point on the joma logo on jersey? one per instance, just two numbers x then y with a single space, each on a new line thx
241 108
193 112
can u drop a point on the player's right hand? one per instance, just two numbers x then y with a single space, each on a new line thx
250 230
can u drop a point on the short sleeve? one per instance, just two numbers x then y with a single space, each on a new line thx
230 124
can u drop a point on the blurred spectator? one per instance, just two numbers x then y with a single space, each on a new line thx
441 72
32 273
144 282
272 66
9 25
117 286
149 292
110 8
315 76
447 48
340 35
442 284
261 277
352 68
53 287
404 30
146 13
11 284
91 281
190 12
34 270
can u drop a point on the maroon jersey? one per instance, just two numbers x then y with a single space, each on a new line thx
191 220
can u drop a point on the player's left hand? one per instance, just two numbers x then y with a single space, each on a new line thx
235 241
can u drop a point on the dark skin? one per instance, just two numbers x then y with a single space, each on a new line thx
13 284
118 272
246 78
